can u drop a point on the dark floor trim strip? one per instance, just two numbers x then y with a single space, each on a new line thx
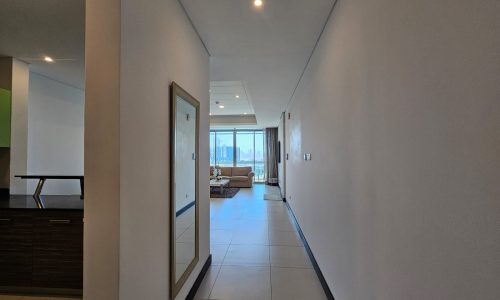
199 279
182 210
321 278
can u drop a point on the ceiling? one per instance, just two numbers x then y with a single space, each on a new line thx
265 49
232 96
258 54
32 29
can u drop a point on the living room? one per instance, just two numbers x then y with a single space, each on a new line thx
243 151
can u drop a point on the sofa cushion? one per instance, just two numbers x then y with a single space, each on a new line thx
241 171
226 171
239 178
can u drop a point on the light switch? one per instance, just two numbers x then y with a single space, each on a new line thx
307 156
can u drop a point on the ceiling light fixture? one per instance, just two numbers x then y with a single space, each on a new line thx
48 59
245 113
257 3
237 96
221 106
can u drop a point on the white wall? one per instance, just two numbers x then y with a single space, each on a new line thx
55 133
19 127
158 46
101 234
400 109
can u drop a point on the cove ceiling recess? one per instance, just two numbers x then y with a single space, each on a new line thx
265 49
232 95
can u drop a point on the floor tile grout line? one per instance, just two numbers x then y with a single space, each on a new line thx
218 272
275 218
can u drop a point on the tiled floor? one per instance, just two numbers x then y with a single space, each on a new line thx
256 251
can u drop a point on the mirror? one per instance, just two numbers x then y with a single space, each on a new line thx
183 186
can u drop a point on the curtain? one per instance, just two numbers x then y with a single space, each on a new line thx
271 156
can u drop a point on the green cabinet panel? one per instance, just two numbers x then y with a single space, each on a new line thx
5 113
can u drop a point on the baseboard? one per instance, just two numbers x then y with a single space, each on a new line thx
283 196
321 278
199 279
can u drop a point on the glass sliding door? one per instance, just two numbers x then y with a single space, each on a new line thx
212 148
240 148
245 149
224 148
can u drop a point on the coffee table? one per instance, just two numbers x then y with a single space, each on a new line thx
220 184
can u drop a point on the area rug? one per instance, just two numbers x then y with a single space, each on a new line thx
228 192
273 197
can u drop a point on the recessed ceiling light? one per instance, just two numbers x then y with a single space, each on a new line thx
244 113
237 96
48 59
257 3
221 106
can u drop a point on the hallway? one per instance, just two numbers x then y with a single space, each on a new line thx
256 251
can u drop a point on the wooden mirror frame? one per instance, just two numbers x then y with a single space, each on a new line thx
176 90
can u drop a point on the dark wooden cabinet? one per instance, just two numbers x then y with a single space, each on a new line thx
58 251
16 249
41 249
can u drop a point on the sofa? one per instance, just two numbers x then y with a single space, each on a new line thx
241 177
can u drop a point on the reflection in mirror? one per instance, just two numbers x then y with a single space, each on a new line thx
185 190
184 181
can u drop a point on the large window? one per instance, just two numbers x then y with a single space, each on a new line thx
238 148
259 168
244 148
212 148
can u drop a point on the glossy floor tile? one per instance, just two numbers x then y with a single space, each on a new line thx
295 284
256 251
239 282
247 255
289 256
208 282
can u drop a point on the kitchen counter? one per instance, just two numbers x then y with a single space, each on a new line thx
49 202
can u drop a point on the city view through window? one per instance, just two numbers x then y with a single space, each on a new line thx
238 148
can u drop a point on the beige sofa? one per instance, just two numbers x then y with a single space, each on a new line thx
241 177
